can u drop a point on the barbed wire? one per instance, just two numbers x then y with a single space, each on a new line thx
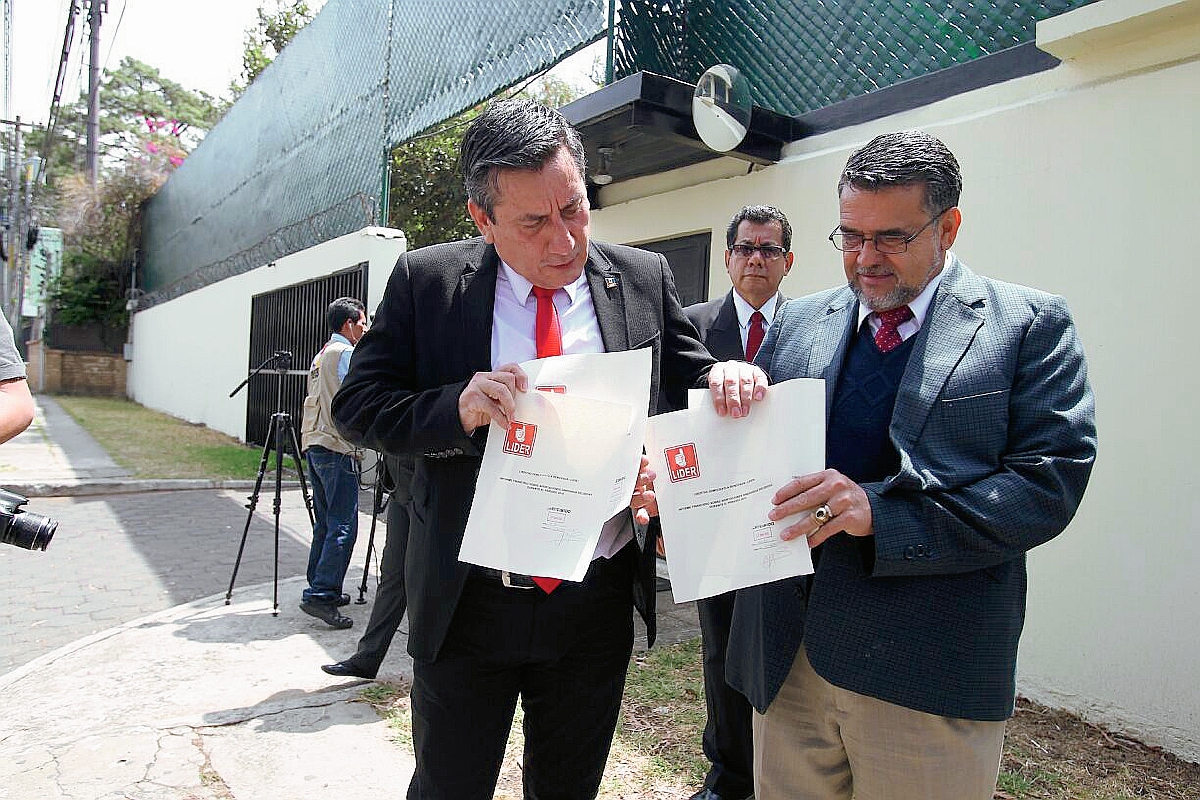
356 211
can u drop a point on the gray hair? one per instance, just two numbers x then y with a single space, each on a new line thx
906 158
512 134
760 215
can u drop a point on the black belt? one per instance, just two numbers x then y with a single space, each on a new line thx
512 580
600 568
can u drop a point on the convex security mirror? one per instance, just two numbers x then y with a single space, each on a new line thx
721 107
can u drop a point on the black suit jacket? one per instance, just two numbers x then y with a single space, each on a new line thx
717 322
432 332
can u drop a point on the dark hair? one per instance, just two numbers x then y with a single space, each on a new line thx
512 134
761 215
343 310
904 159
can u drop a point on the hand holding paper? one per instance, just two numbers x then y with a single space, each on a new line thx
491 397
845 499
735 386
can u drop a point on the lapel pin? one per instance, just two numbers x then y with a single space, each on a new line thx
610 281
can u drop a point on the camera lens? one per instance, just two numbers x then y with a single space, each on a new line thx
30 531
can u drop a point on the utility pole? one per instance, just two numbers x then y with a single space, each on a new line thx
95 9
12 268
8 72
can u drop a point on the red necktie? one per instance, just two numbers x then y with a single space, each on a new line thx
547 335
887 338
754 339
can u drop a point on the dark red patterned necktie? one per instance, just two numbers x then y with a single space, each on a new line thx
547 335
754 339
887 338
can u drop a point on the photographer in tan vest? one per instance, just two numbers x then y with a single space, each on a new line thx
333 468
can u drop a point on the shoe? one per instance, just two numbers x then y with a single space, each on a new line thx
327 613
709 794
343 600
348 669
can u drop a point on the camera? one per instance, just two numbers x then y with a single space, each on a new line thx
282 359
23 528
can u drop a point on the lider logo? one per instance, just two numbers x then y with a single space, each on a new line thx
681 462
519 440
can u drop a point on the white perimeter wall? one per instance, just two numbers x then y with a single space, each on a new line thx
1081 180
190 353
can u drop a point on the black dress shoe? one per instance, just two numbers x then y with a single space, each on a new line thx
327 613
348 669
709 794
344 600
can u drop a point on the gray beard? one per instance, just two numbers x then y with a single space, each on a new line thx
902 294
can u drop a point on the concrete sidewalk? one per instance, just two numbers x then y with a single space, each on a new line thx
204 700
199 699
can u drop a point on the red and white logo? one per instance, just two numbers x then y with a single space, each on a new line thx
681 462
553 389
519 440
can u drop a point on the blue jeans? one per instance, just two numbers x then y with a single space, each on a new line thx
334 479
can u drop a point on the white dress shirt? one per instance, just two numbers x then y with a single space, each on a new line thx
745 311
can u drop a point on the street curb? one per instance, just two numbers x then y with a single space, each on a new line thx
98 486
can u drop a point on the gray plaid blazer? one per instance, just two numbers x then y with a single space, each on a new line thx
995 427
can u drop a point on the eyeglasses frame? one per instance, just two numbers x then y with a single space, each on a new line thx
759 248
905 242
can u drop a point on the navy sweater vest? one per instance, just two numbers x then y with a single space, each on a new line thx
856 442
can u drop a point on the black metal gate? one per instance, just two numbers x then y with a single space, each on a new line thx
291 319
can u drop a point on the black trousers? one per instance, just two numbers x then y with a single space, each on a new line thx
564 654
390 599
727 739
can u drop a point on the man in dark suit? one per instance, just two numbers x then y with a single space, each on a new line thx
758 255
390 598
960 435
439 367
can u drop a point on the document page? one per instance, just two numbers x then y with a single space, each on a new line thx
715 479
565 466
622 377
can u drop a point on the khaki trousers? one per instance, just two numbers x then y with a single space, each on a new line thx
819 742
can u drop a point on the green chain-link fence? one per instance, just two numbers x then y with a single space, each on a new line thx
801 56
301 157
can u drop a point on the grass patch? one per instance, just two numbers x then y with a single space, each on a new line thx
152 444
662 720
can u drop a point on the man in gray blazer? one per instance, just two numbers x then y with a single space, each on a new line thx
758 243
440 365
961 434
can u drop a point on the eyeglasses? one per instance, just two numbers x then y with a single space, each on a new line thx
887 243
770 252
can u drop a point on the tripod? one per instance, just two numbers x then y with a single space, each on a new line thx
383 487
280 436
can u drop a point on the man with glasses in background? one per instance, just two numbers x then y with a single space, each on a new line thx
960 434
758 255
